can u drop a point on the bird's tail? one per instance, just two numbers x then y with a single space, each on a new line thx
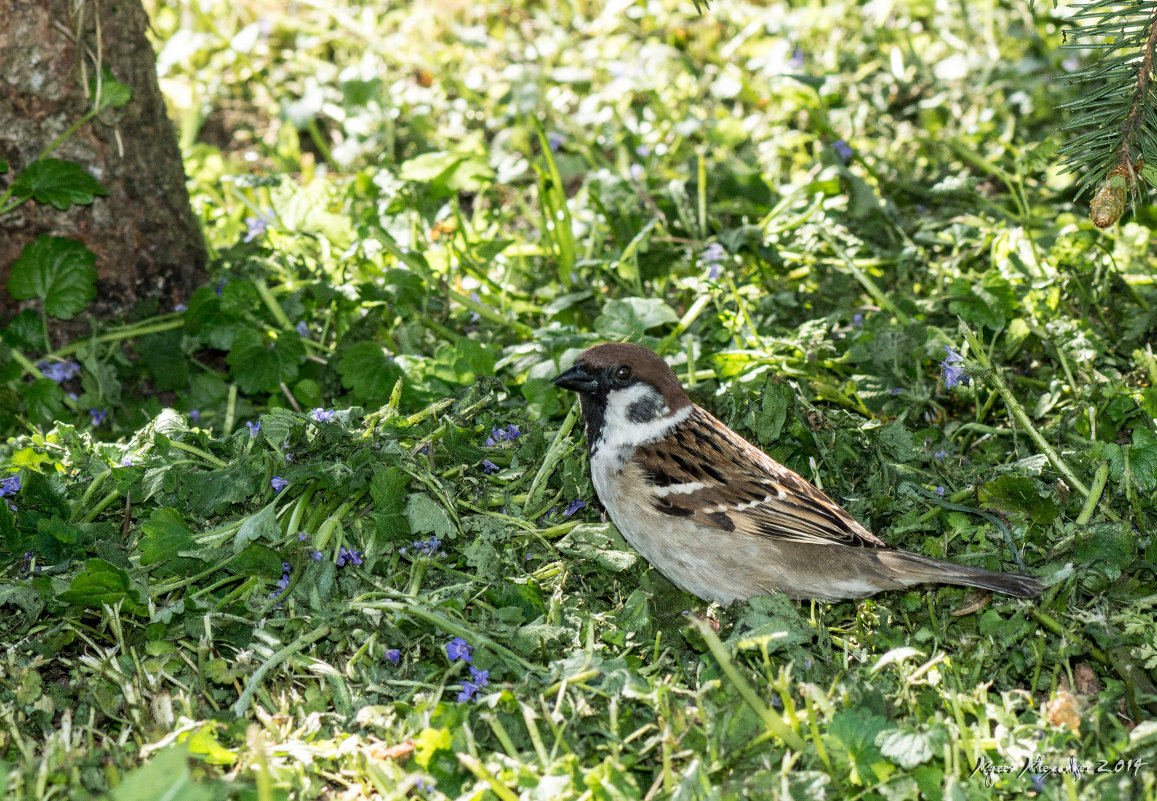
917 569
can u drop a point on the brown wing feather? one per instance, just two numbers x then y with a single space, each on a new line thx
744 490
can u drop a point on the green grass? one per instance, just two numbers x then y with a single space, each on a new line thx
800 206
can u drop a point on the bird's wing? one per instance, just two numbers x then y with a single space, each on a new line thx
712 476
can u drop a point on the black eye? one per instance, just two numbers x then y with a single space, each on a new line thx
622 372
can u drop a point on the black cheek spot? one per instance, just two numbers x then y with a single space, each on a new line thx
644 411
722 520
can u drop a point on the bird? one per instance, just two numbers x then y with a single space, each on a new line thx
717 516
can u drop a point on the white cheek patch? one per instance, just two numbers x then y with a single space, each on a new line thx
621 435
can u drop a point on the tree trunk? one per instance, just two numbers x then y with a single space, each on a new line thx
150 254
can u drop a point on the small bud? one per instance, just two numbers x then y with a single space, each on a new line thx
1108 204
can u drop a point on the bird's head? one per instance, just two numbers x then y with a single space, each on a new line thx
628 392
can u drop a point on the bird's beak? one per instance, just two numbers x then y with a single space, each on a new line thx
577 379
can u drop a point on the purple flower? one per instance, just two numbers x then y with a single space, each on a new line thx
642 151
98 415
457 649
283 582
489 466
468 690
951 371
302 329
58 371
895 390
857 321
220 289
481 677
11 485
315 556
322 415
302 536
637 172
1038 781
502 435
713 256
554 141
195 415
253 428
127 461
953 357
348 555
573 507
255 227
392 655
940 455
940 491
428 547
842 150
180 307
278 483
796 61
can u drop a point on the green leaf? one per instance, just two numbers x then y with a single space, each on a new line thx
209 322
896 441
1105 551
9 534
1141 459
98 584
258 560
165 776
992 302
448 172
113 93
906 748
1018 495
262 525
427 517
593 541
767 421
43 399
44 494
430 741
203 744
58 271
261 365
23 331
388 489
463 361
163 536
853 733
631 317
369 371
277 423
58 182
162 356
216 490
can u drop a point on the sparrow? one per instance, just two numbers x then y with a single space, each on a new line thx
717 516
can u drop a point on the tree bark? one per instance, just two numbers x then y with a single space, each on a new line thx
150 253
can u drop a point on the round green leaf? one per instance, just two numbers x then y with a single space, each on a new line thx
58 271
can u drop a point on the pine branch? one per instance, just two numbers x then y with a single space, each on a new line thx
1119 112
